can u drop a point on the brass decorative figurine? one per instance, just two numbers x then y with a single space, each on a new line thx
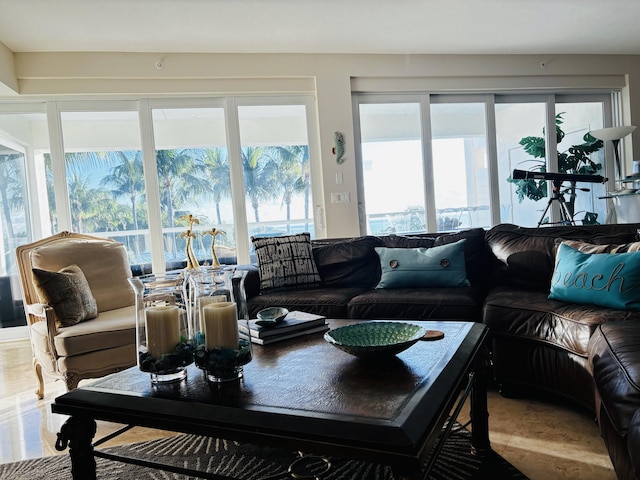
213 232
192 261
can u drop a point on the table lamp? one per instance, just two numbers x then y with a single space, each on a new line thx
614 134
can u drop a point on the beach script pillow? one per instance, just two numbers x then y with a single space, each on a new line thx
286 262
605 279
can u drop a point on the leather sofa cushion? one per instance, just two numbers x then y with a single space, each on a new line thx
411 241
614 359
461 303
476 253
526 256
330 302
353 262
113 328
104 264
530 314
349 262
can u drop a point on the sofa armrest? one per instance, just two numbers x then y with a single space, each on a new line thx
633 442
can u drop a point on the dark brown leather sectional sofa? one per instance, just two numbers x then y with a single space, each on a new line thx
588 354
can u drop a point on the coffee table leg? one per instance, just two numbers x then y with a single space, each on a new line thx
77 433
480 444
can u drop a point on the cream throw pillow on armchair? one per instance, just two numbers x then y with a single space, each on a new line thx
104 264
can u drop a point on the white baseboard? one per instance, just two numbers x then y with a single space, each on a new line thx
14 333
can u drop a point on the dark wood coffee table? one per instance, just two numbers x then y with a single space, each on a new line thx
304 394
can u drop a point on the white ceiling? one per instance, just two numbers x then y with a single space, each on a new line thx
323 26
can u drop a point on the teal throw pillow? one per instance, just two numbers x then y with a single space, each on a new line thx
605 279
441 266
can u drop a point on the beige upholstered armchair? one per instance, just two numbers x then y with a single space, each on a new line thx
79 305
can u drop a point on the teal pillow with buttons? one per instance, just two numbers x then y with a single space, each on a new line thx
442 266
609 280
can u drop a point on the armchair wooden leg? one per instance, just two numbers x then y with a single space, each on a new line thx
38 371
71 381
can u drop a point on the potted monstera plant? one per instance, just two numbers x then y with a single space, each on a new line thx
575 160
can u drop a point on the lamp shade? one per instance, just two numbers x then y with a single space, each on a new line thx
612 133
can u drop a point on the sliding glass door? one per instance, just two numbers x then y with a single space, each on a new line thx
192 167
445 162
135 170
276 168
460 165
23 145
392 167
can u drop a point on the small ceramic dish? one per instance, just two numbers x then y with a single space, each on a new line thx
373 339
271 316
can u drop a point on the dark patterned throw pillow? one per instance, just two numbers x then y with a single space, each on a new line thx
286 262
68 292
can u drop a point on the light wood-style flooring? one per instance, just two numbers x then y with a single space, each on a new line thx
544 440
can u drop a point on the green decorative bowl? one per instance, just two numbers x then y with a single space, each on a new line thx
373 339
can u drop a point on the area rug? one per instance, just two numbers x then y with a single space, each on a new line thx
250 462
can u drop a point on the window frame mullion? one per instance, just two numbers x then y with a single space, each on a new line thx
431 216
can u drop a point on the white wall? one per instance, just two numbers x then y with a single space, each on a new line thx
331 78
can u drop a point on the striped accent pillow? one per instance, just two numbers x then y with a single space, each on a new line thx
286 262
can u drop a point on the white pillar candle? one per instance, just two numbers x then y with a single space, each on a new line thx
202 301
162 326
221 325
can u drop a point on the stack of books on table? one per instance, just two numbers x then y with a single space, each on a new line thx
295 324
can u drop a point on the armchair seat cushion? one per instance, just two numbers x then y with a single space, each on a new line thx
111 329
92 364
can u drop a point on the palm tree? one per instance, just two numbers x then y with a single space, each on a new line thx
82 200
302 152
216 167
260 177
181 181
107 214
127 179
290 175
74 162
11 188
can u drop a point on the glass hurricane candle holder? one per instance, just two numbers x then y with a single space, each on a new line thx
164 333
218 308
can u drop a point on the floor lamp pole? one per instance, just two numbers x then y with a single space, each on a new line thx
616 153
